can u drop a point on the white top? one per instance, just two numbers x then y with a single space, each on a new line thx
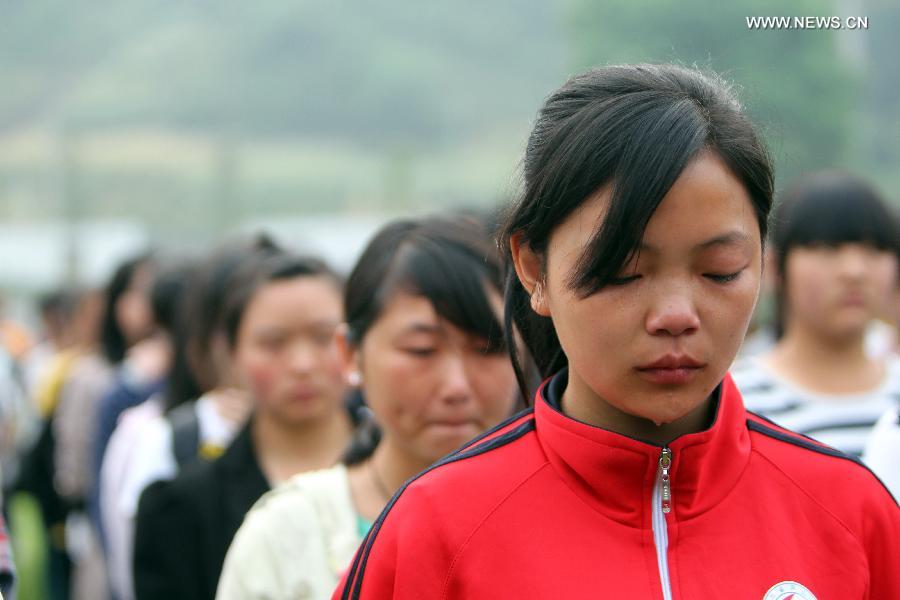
882 452
140 452
295 542
118 526
842 421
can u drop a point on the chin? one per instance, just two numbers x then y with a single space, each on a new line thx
445 442
678 406
303 417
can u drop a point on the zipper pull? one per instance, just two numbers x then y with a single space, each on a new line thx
665 463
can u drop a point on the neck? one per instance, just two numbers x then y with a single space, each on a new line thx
825 364
284 450
375 480
394 466
582 404
811 346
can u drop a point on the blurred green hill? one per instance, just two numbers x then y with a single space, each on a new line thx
224 110
191 116
376 72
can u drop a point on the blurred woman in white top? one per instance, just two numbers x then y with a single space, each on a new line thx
424 343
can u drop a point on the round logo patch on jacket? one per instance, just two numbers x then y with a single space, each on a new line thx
789 590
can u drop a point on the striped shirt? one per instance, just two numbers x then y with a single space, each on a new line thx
842 421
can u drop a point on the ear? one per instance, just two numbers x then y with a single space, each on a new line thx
529 269
349 355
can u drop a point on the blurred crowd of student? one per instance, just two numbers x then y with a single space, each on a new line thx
143 422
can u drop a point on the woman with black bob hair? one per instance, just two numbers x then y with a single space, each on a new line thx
278 318
637 250
835 250
198 414
424 344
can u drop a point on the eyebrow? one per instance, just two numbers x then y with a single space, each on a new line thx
732 238
418 327
281 329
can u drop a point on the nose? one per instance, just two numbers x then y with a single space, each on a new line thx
302 358
456 385
852 261
674 315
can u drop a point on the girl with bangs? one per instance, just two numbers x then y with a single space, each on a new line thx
424 345
835 258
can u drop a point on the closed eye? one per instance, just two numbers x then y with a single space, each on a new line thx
725 278
421 351
619 281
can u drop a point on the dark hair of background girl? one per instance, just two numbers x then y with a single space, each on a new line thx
200 310
112 339
250 278
450 261
635 127
829 208
167 298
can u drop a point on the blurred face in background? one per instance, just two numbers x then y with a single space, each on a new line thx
285 354
431 385
134 314
835 291
84 328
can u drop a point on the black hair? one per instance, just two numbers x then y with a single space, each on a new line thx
635 127
248 280
167 298
828 208
112 338
57 309
58 304
450 261
168 289
203 302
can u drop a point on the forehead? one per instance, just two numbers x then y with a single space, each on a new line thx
406 312
706 202
299 299
403 308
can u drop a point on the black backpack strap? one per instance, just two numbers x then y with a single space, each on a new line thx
185 433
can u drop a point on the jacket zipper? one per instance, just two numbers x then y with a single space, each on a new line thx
662 505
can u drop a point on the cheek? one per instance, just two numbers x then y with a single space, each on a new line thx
884 277
332 366
259 373
133 313
808 287
732 314
594 325
395 386
494 383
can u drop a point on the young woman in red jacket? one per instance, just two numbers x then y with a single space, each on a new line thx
637 247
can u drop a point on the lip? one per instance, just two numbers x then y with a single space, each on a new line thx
671 369
450 423
673 361
853 300
304 393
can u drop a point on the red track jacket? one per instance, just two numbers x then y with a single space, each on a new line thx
548 507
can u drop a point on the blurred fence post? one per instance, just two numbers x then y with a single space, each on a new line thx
72 205
225 200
